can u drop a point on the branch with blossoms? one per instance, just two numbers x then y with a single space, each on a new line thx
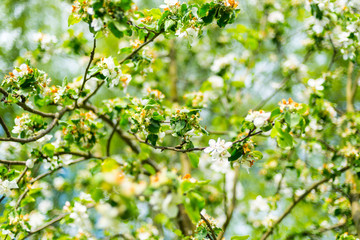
178 148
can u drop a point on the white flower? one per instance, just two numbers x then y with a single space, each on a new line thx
317 28
6 186
217 147
259 118
144 235
169 3
259 204
316 84
180 34
108 215
292 63
8 233
45 40
85 196
269 219
90 11
351 28
80 216
59 182
30 163
343 37
276 17
45 206
222 62
109 63
20 124
97 24
219 150
23 70
216 81
36 219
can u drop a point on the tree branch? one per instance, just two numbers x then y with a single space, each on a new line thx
230 212
9 162
29 109
177 149
299 199
41 133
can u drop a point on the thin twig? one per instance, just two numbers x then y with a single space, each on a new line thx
122 135
140 47
88 66
299 199
110 138
55 220
144 28
209 226
22 175
6 130
333 55
314 233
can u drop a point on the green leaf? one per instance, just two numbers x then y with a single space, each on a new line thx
169 24
109 164
114 30
202 12
48 149
236 154
295 118
149 168
179 125
194 159
73 20
209 16
193 204
152 138
154 126
276 112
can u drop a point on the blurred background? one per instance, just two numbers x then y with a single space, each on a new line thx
266 55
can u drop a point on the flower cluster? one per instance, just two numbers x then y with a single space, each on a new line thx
343 31
24 82
102 16
350 151
83 129
147 232
26 125
111 73
289 105
259 118
196 99
45 41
